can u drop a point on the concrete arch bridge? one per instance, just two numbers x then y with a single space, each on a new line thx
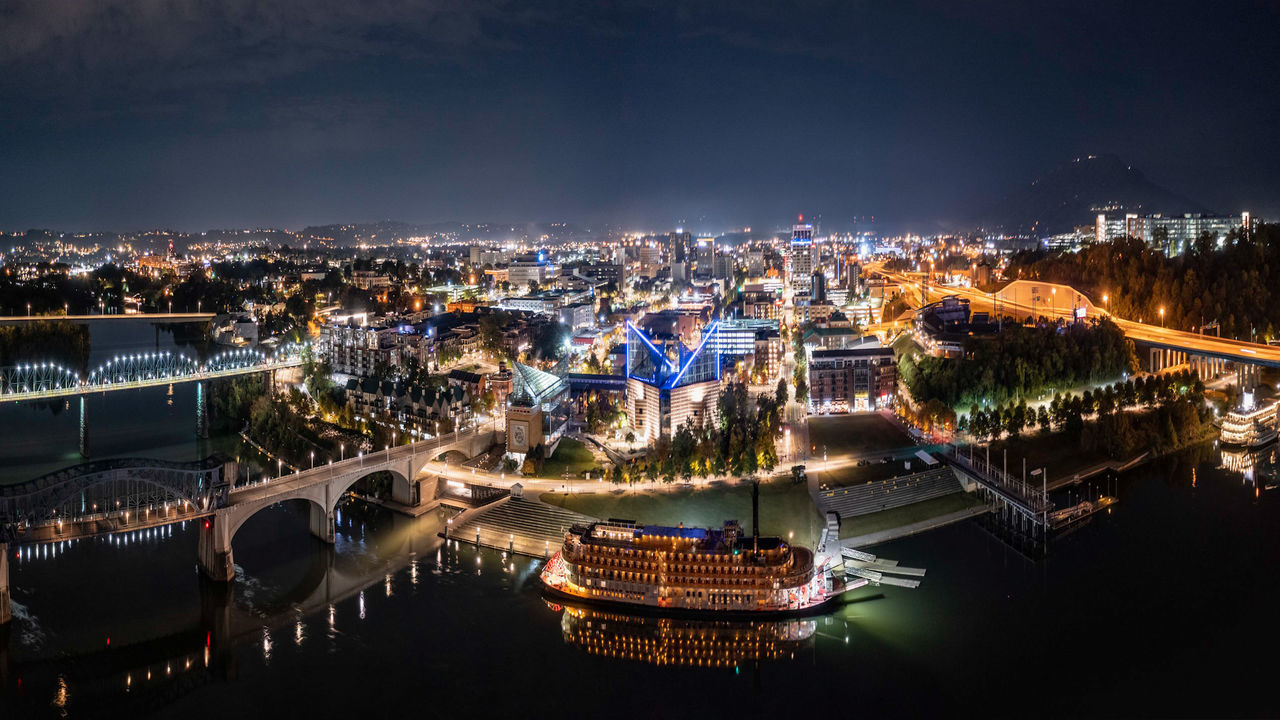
130 494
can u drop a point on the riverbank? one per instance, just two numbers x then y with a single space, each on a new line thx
1062 458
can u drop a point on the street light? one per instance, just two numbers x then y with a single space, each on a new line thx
279 468
342 448
1162 316
313 458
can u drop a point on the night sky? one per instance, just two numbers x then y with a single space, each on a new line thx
196 114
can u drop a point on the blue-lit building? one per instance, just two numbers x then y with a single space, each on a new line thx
670 384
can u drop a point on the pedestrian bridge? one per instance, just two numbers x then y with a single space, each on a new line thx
42 380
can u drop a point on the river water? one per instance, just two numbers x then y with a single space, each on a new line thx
158 422
1163 606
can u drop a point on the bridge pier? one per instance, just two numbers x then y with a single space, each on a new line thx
407 493
84 427
322 524
214 551
6 613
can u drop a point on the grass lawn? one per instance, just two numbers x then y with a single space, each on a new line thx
570 455
855 434
897 517
784 507
871 435
1058 454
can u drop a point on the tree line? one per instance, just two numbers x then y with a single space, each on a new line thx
1019 362
1173 413
1236 285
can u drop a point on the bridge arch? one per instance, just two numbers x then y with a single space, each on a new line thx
324 488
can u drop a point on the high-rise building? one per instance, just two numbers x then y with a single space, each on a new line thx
802 258
670 384
678 246
706 251
818 287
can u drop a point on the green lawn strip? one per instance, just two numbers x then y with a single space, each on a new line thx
570 455
784 507
854 434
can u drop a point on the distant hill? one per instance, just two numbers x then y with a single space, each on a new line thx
1075 192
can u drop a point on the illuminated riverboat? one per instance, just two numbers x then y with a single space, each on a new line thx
715 570
1251 425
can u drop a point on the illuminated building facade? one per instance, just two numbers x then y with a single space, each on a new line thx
537 410
669 384
802 258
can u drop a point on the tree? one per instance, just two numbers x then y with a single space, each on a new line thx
797 474
781 395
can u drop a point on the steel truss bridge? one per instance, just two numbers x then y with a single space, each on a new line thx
38 381
110 495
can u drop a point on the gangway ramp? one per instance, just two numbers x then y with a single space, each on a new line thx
853 554
881 579
884 568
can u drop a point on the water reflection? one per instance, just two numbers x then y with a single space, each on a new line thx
1256 466
661 640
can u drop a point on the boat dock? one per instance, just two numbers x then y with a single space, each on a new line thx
881 571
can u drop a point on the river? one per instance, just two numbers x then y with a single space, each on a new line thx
1165 605
157 422
1157 608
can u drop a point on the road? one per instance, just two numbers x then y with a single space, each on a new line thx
1154 335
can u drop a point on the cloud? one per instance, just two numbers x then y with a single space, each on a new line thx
168 44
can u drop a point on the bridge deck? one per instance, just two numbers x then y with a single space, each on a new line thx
87 389
374 462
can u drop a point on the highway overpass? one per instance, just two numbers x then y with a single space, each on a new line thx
1056 300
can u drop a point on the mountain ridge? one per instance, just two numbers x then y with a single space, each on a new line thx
1075 192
